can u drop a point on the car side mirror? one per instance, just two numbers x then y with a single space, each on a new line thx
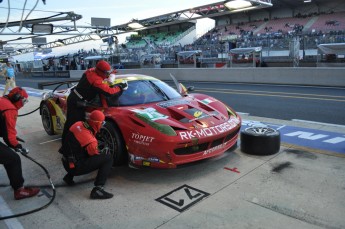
190 88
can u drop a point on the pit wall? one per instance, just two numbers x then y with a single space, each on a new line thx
293 76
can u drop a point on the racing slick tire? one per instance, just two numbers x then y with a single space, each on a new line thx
47 120
110 140
260 141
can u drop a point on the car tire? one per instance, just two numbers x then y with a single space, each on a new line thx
47 120
260 141
110 140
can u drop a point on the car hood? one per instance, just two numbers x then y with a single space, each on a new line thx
184 113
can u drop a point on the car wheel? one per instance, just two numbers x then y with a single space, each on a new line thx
260 141
110 141
47 120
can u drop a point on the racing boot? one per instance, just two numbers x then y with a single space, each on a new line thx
99 193
25 192
68 179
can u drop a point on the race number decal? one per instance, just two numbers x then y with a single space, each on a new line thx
182 198
150 114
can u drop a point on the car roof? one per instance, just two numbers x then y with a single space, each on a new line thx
132 77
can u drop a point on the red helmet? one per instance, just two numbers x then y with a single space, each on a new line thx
96 119
18 97
103 68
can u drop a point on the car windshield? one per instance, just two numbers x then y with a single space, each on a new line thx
144 91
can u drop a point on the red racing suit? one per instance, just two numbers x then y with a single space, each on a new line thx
92 84
89 86
8 158
81 141
8 119
81 144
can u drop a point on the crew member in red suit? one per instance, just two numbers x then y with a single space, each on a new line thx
90 85
81 154
9 106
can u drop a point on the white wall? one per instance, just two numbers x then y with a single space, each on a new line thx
292 76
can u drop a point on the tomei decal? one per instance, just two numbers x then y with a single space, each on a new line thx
150 113
210 131
142 139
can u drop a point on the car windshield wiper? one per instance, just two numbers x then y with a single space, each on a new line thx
159 90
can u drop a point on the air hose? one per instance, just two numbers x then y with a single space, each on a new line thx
25 154
29 112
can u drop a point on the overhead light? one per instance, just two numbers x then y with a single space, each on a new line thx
307 1
42 29
60 42
135 25
237 4
247 8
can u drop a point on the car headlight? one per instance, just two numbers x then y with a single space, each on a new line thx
165 129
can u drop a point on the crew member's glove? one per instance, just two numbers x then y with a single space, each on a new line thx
111 80
19 149
123 85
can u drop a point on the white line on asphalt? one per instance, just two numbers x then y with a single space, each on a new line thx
271 85
321 123
5 211
242 113
50 141
281 127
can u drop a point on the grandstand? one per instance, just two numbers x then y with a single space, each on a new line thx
272 29
278 30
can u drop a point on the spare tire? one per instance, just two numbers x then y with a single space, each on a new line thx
260 141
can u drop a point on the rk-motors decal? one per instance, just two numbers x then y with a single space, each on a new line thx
210 131
182 198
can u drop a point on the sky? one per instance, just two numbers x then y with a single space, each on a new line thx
119 12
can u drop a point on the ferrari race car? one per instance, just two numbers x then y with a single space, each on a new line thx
152 124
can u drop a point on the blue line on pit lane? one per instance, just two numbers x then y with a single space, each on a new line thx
311 138
30 91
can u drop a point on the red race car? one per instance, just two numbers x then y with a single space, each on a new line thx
151 124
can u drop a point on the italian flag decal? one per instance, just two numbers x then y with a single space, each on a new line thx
207 101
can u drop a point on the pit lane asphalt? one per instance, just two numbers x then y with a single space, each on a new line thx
299 187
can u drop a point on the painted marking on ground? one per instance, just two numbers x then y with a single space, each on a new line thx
232 170
6 211
182 198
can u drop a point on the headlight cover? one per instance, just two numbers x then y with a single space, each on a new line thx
230 112
47 95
